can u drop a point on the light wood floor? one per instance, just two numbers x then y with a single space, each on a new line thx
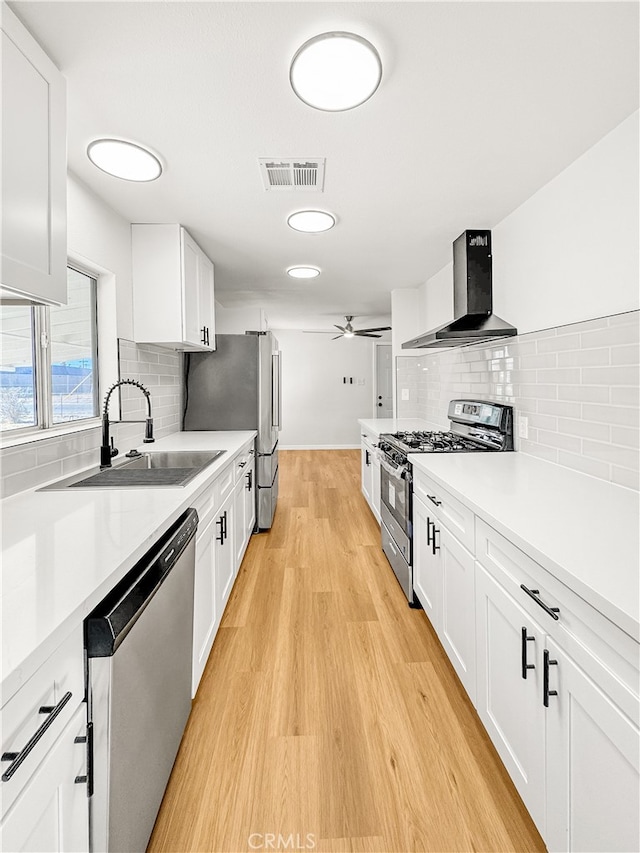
328 708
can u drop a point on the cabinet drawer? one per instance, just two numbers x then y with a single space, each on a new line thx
224 485
62 673
454 515
582 630
241 465
204 504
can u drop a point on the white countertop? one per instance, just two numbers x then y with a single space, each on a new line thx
584 531
62 551
380 425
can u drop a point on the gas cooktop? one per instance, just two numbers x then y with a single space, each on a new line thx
476 426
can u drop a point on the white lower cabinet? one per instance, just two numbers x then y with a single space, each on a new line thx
370 473
593 779
205 614
427 582
225 553
445 584
244 508
51 815
554 682
226 518
509 688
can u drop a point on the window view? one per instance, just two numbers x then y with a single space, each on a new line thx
17 369
73 352
58 344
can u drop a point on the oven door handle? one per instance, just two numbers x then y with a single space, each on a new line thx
390 467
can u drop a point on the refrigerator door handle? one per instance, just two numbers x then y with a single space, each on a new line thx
277 390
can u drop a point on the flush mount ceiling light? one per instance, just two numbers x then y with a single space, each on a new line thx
335 71
311 221
124 160
303 272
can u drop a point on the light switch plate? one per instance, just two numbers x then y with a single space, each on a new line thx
405 393
523 427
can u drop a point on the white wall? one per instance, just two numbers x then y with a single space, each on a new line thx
568 253
237 321
98 234
318 409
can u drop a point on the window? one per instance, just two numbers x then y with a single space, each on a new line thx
49 360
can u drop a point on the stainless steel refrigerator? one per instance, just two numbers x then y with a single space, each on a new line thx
238 387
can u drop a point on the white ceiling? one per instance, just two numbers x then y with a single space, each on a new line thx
480 105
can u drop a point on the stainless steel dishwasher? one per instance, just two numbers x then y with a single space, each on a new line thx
139 649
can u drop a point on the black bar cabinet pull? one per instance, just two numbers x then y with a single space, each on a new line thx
534 593
547 662
224 524
433 541
249 477
525 666
366 457
16 758
87 779
220 537
429 523
434 500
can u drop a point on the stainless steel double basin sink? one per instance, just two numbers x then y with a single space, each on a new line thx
165 468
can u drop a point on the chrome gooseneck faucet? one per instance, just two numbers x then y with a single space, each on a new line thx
107 450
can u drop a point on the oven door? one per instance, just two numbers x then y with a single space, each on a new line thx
395 492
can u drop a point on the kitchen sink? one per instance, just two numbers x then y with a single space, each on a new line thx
163 469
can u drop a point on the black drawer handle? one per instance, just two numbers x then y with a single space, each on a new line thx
547 662
526 639
534 593
220 536
434 500
16 758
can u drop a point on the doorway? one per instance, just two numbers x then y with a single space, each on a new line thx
384 381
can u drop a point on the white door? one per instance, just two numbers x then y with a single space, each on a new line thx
52 813
384 381
191 326
205 615
509 688
34 168
206 319
367 472
225 552
457 615
427 580
593 787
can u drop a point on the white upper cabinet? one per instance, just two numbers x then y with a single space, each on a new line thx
34 169
172 289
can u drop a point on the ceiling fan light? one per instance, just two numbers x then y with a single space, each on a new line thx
348 335
335 71
124 160
311 221
303 272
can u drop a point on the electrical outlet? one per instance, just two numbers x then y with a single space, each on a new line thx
405 393
523 427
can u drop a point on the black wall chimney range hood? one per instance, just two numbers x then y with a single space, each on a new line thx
472 299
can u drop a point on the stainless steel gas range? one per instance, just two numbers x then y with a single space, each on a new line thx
476 427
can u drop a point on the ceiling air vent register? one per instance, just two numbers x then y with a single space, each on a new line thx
292 174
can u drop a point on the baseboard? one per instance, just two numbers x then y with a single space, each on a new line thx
319 447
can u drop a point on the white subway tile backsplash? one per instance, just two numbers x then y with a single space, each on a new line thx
584 357
584 393
625 477
625 436
578 385
625 354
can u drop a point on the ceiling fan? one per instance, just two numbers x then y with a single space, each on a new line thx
348 331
